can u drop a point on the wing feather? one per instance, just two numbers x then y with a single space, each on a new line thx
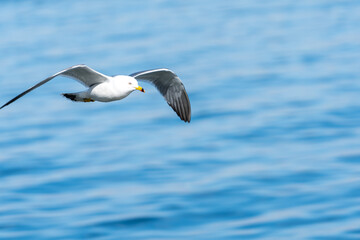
81 73
171 87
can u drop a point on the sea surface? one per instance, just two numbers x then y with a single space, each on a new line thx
272 150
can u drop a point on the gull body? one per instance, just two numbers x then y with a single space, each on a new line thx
115 88
103 88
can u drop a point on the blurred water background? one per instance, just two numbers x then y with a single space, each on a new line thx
272 152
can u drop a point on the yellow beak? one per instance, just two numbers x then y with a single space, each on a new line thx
140 89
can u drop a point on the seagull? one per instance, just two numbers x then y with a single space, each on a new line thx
103 88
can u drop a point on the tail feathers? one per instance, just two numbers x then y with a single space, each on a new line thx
76 97
70 96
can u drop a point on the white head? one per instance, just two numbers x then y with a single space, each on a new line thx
128 84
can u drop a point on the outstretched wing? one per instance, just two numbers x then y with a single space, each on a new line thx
81 73
171 87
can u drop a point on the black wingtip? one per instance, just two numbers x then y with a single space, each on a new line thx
186 119
70 96
7 103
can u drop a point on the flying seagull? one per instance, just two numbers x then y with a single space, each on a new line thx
105 88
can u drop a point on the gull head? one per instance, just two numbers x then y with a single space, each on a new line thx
127 84
133 84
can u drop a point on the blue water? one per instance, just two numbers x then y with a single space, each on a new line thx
272 151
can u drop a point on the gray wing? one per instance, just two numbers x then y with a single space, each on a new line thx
171 87
81 73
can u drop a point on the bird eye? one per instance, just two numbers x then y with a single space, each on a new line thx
129 83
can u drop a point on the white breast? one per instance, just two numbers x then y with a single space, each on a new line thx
111 90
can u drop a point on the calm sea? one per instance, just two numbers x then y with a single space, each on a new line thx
272 151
